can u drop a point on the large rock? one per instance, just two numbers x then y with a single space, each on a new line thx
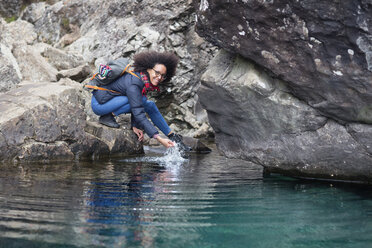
255 118
303 106
60 59
322 49
47 121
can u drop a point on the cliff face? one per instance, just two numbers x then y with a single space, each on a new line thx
323 50
54 46
298 98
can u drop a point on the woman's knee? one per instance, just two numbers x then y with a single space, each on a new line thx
116 103
95 106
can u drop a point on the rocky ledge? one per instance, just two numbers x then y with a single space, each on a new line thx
47 121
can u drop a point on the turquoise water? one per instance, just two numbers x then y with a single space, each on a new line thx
165 201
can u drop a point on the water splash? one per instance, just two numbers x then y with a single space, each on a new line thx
172 157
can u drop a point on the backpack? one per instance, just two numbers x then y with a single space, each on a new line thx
109 73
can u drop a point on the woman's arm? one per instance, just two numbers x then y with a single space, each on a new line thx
134 94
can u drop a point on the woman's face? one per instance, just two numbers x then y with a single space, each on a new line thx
157 73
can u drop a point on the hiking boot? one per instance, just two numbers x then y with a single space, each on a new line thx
178 139
108 120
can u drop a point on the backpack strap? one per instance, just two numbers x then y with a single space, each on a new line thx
122 73
129 71
94 76
99 88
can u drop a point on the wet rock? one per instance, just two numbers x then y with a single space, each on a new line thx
362 134
196 145
37 151
329 153
119 141
313 122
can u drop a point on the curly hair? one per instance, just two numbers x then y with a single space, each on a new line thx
147 60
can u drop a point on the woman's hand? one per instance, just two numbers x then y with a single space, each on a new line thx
139 133
165 142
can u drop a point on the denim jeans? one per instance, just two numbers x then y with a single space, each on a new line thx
120 105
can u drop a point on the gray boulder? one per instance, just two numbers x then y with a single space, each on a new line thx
60 59
13 8
47 121
256 118
302 106
17 34
78 74
33 66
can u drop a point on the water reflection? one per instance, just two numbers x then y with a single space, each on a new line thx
129 205
122 205
153 195
205 201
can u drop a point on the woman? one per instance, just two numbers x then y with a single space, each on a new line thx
127 94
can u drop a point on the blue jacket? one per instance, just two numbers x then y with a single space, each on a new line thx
130 86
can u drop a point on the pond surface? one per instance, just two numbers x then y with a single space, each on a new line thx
165 201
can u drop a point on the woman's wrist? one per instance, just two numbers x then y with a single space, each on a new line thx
156 136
